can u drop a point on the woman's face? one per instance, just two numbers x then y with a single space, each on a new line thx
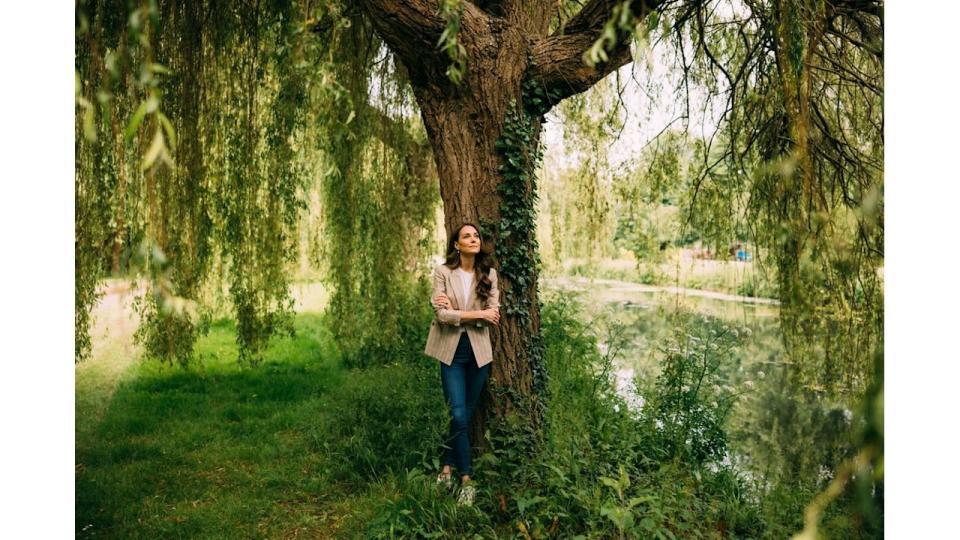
469 241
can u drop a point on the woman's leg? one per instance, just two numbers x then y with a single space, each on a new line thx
475 378
453 378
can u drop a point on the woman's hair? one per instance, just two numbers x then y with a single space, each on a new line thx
482 262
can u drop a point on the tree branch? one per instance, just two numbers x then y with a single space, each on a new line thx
412 27
558 64
559 68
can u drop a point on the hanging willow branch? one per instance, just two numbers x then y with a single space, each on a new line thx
802 142
261 107
380 197
232 84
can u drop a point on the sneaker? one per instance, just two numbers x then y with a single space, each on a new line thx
467 494
445 480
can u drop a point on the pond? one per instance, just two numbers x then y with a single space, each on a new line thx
778 431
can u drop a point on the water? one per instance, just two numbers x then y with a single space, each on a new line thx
777 430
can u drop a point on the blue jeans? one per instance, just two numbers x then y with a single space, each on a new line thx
462 382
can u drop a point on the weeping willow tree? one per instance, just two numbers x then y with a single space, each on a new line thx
240 83
482 93
202 127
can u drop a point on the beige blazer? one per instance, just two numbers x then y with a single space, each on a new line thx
445 328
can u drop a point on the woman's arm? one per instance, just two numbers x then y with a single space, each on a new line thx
452 316
444 315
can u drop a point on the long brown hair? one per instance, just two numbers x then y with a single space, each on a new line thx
482 262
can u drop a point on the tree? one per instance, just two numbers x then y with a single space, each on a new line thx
516 68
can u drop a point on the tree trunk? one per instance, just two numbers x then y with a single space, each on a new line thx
463 124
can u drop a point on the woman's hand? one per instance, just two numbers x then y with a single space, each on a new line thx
491 315
441 301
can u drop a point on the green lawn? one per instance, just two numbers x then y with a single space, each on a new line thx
213 451
285 449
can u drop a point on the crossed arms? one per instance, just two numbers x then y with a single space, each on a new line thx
454 317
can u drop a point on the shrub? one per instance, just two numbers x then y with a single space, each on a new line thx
597 469
601 469
687 405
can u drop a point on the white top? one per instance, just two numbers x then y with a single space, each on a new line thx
467 278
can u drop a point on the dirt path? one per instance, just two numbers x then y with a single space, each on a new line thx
112 352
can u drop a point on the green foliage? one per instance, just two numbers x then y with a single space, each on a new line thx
381 421
517 248
257 121
172 324
580 198
108 48
595 211
647 198
797 164
601 470
410 505
229 189
349 455
379 199
688 405
452 11
620 23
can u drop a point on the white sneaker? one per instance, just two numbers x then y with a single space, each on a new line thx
467 494
445 480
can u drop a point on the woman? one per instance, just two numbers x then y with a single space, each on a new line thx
466 300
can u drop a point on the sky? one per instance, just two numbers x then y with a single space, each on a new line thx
650 105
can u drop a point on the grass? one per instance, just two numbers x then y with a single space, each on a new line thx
214 451
298 446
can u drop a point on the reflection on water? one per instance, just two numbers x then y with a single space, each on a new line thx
778 431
